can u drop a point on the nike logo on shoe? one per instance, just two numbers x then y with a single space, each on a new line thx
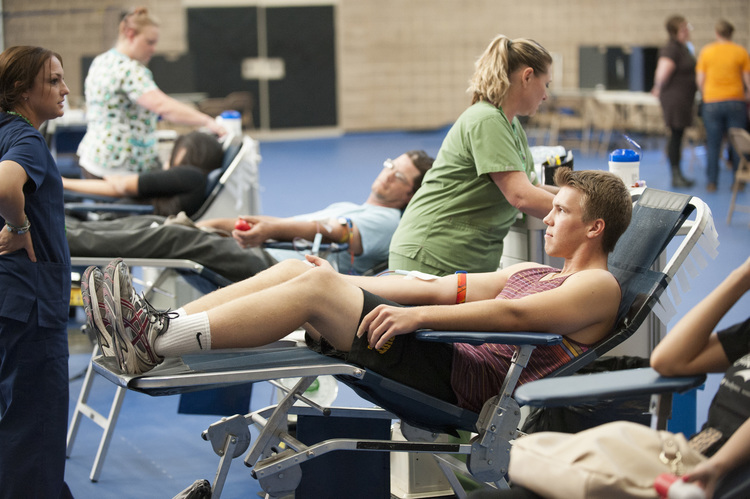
198 337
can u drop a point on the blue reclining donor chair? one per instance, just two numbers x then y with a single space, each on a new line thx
231 188
626 385
275 456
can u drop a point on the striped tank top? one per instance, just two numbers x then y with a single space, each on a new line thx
479 370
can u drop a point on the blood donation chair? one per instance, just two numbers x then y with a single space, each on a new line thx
231 188
627 385
276 456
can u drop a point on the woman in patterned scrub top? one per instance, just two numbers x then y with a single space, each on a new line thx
123 104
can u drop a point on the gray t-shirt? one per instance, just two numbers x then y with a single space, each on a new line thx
376 226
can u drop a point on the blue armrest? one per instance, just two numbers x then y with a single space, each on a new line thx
481 337
70 196
630 383
303 245
135 209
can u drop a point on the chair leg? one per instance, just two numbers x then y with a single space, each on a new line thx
83 397
109 429
451 477
735 188
554 132
223 469
585 140
660 408
107 423
604 144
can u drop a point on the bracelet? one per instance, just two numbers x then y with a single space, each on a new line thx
461 286
19 230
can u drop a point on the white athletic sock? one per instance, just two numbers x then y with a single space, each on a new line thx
180 312
186 334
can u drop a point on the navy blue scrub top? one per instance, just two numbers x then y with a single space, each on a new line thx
47 282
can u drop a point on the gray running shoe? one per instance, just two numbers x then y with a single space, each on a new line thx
92 290
136 322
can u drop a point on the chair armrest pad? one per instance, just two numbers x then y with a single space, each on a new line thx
73 196
481 337
136 209
625 384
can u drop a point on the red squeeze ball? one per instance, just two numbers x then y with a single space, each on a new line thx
241 224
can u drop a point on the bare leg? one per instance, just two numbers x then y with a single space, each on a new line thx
272 276
260 315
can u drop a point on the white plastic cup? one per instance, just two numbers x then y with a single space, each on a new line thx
232 121
625 163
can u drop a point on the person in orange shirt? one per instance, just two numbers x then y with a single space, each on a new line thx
723 77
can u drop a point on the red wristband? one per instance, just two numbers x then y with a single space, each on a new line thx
461 287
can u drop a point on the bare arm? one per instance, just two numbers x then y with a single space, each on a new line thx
522 194
441 291
690 347
407 290
559 310
664 69
115 185
12 203
286 229
731 455
177 112
746 79
227 224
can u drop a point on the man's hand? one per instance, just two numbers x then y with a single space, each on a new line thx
317 261
385 322
10 242
255 235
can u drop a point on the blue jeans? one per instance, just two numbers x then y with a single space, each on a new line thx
718 117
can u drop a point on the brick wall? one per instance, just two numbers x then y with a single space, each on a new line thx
401 63
77 28
406 63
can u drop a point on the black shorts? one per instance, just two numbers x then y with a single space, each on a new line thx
423 365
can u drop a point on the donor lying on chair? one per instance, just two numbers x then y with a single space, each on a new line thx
367 229
364 320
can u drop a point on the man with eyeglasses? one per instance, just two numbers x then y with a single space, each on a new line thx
367 228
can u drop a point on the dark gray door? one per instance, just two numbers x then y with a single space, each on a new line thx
301 38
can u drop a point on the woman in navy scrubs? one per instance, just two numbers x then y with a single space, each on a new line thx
34 280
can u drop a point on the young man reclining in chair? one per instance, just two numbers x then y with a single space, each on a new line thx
696 346
364 319
366 227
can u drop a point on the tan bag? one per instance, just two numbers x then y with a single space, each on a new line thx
614 460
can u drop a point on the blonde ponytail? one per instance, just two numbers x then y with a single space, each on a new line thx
137 19
503 56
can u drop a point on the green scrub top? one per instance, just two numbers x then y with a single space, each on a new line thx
458 218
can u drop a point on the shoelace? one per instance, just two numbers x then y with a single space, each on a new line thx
162 317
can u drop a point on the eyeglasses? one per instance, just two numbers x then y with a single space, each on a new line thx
388 164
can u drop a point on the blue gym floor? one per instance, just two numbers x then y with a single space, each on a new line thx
156 452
